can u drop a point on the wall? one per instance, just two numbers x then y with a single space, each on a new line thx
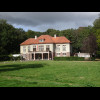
21 49
61 48
67 52
31 47
52 48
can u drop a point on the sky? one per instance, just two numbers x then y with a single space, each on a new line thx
41 21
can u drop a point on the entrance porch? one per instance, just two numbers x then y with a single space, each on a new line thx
41 56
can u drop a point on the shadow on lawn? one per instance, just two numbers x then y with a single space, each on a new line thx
13 67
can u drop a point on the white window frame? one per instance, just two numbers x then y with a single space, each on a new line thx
41 47
24 49
64 47
29 48
58 48
48 47
34 46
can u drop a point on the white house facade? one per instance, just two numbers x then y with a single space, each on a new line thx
45 47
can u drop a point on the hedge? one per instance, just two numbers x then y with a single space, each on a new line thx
69 58
72 59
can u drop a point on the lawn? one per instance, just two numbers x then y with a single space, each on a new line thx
50 74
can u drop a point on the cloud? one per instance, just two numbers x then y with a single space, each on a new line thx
41 21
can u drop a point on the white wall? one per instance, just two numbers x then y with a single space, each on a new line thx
52 48
61 48
21 49
31 47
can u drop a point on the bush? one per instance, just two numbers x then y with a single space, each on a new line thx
92 58
8 58
17 58
98 54
4 58
73 59
69 58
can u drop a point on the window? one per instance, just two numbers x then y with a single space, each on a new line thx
47 48
34 48
64 47
41 48
24 48
58 54
28 48
58 47
41 40
64 54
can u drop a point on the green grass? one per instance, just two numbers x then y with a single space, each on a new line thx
50 74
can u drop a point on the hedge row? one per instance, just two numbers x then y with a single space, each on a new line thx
71 59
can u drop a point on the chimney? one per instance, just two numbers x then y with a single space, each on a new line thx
35 37
55 36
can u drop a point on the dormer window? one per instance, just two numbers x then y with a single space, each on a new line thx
41 40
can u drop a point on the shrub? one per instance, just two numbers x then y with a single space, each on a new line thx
4 58
73 59
98 54
8 58
69 58
92 58
15 58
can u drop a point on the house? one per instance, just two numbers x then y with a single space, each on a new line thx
45 47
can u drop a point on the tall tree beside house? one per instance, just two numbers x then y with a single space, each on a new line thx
10 38
89 45
76 36
96 29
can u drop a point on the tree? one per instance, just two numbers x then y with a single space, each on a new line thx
10 38
96 28
30 34
89 44
96 23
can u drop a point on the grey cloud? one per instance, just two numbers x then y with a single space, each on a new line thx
39 19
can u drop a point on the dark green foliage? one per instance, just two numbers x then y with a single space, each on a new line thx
10 38
9 58
69 58
15 58
89 44
92 58
72 59
4 58
98 54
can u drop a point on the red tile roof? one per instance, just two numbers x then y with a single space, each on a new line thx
28 41
61 39
47 39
